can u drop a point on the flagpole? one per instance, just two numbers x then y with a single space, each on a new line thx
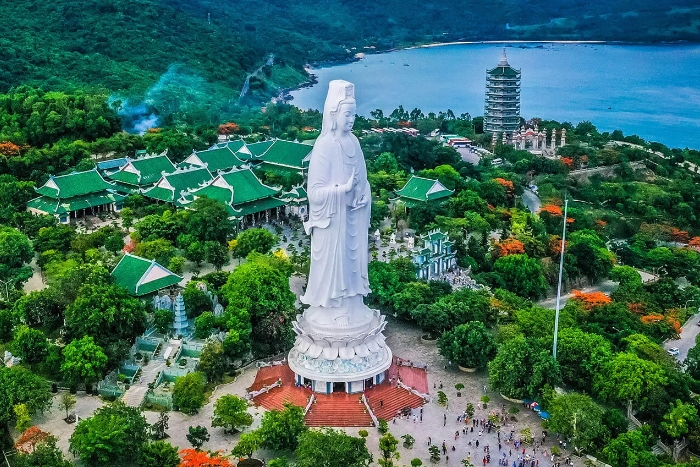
561 270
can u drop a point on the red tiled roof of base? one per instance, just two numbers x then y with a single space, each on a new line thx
277 397
338 409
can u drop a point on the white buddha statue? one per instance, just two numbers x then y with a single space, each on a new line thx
339 213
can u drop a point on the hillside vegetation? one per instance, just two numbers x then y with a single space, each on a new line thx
190 58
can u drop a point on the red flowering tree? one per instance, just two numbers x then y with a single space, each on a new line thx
229 128
509 246
590 300
194 458
552 210
29 440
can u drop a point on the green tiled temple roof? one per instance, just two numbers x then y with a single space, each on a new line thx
423 190
143 172
237 187
238 146
296 195
503 71
74 184
216 159
76 203
141 276
170 186
285 154
257 149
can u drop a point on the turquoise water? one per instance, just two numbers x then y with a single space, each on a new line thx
649 90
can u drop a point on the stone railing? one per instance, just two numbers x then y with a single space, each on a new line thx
596 462
264 389
369 410
270 363
411 364
664 448
425 397
308 405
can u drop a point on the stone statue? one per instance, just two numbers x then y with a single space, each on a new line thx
339 211
392 239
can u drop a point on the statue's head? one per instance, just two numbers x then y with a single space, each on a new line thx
340 107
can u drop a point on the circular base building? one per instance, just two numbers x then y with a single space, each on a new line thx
344 351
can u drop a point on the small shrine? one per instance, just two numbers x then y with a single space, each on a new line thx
435 257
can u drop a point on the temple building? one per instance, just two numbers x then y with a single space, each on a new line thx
535 141
76 195
222 156
141 276
282 157
502 109
247 199
297 202
172 187
435 257
419 190
141 173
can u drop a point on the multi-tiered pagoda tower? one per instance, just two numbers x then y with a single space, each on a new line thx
502 109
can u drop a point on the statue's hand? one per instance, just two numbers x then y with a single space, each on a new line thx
350 183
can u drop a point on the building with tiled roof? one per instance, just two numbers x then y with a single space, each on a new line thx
174 187
141 173
419 190
435 256
75 195
141 276
110 166
281 156
237 146
222 156
246 198
297 201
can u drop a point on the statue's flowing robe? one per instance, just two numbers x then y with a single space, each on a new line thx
339 252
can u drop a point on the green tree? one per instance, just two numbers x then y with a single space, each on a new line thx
197 436
628 378
412 295
581 356
331 448
30 345
469 345
204 325
107 313
15 252
195 253
163 319
127 215
385 283
177 264
216 254
388 449
261 291
188 392
84 361
22 418
521 369
67 402
212 361
115 242
632 449
280 429
254 240
248 443
578 417
159 454
231 412
197 301
208 220
20 386
160 249
58 237
677 420
522 275
114 435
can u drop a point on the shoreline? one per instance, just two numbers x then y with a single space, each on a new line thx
286 97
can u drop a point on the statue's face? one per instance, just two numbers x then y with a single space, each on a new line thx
346 117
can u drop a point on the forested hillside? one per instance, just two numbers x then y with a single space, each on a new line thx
191 57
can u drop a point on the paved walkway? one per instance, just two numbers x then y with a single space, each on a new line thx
689 332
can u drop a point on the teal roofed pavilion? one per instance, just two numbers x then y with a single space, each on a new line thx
174 187
141 173
141 276
245 196
419 190
75 195
282 157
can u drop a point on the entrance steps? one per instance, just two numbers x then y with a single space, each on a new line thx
134 396
338 409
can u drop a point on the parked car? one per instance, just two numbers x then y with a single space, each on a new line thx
673 351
